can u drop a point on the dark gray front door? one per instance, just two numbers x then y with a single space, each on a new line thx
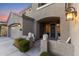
53 30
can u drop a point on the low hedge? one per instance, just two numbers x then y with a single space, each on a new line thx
44 54
22 44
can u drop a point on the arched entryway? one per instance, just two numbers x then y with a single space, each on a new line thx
49 25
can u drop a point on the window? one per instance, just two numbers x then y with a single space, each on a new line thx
41 4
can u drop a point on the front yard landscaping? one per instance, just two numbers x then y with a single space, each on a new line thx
22 44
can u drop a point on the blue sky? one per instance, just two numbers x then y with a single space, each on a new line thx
6 8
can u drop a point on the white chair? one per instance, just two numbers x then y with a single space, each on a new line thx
31 39
45 36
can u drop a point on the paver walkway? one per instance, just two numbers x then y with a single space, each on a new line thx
7 49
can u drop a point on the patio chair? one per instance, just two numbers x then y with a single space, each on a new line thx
31 38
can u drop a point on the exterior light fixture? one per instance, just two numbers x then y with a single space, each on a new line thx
19 25
71 13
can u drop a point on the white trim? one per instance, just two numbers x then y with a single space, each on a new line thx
44 6
68 39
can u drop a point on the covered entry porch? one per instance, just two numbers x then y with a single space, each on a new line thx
50 26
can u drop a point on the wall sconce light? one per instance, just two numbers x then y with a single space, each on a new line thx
71 13
19 25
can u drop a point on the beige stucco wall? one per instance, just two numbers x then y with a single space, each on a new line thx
74 31
53 10
60 48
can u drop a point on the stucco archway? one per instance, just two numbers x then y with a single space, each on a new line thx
50 26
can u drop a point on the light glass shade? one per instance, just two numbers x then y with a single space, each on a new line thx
71 13
19 25
70 16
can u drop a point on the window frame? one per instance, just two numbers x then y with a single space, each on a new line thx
47 4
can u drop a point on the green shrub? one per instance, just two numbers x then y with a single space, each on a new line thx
22 44
44 54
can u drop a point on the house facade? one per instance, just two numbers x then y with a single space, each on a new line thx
67 28
19 26
51 13
50 19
